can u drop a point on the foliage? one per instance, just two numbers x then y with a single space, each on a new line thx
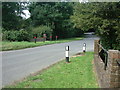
20 35
11 15
83 17
109 30
54 15
42 30
102 17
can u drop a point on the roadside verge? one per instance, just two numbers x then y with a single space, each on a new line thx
6 46
76 74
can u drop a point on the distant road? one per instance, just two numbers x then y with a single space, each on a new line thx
18 64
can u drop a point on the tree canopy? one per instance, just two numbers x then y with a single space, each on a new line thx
11 11
104 17
54 15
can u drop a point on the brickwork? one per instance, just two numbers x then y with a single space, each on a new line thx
109 78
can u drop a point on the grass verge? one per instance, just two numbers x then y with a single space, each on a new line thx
76 74
21 45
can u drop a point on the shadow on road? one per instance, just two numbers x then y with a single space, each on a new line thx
90 35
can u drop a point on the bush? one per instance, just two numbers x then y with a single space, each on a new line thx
9 35
23 36
20 35
42 30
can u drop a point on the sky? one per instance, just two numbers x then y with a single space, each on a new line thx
27 14
83 1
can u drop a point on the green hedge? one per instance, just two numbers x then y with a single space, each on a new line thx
20 35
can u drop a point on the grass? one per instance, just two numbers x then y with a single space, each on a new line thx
21 45
76 74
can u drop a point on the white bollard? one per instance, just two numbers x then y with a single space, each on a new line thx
67 54
84 47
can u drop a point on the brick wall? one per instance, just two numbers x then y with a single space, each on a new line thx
109 78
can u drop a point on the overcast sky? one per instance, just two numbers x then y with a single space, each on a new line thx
27 14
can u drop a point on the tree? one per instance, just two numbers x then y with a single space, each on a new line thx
84 18
109 30
51 14
11 15
103 17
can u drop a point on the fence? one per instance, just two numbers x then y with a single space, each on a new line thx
37 39
107 66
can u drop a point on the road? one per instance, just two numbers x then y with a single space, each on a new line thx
18 64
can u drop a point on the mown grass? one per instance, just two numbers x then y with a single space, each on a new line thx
76 74
5 45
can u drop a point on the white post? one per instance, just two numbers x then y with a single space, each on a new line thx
84 47
67 54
